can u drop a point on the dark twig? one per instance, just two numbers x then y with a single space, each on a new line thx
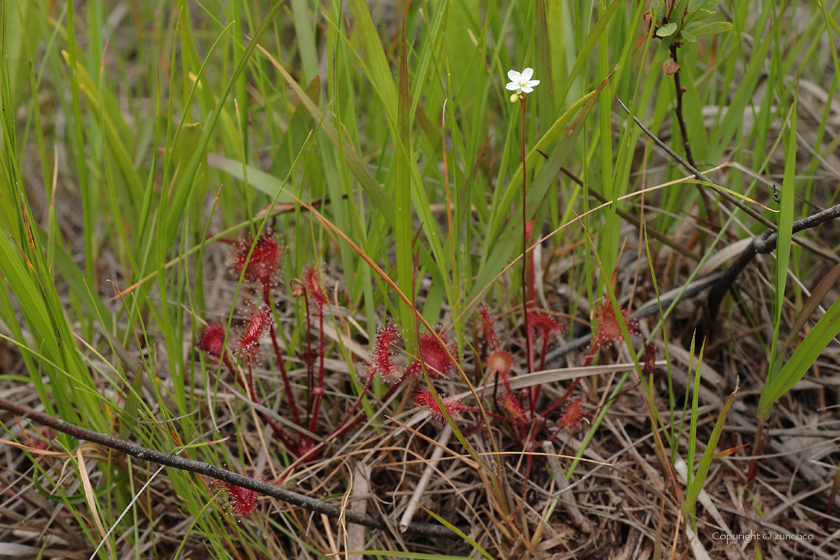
206 469
704 197
679 109
633 219
761 244
696 172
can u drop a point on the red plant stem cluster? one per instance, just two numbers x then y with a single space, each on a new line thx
432 355
519 410
547 327
259 261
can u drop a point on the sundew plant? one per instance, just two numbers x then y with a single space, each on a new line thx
419 279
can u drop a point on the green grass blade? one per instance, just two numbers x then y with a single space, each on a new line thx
699 479
187 178
817 295
372 188
803 357
589 43
458 532
784 233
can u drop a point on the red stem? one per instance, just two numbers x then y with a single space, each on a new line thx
586 363
348 427
339 429
562 399
535 390
549 439
525 248
284 436
279 356
319 393
308 359
286 384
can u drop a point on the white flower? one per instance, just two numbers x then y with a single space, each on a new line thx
521 83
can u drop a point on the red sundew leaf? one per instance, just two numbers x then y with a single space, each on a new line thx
247 341
212 340
453 405
500 363
380 356
511 404
488 324
437 362
265 264
606 329
312 284
573 414
545 324
241 502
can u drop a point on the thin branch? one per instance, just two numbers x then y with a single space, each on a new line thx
696 172
704 196
206 469
679 109
631 218
761 244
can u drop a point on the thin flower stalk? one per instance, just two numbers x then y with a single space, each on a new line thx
341 429
525 302
522 84
287 386
299 290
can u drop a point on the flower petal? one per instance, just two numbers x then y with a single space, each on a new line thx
512 86
514 76
526 89
532 83
527 73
